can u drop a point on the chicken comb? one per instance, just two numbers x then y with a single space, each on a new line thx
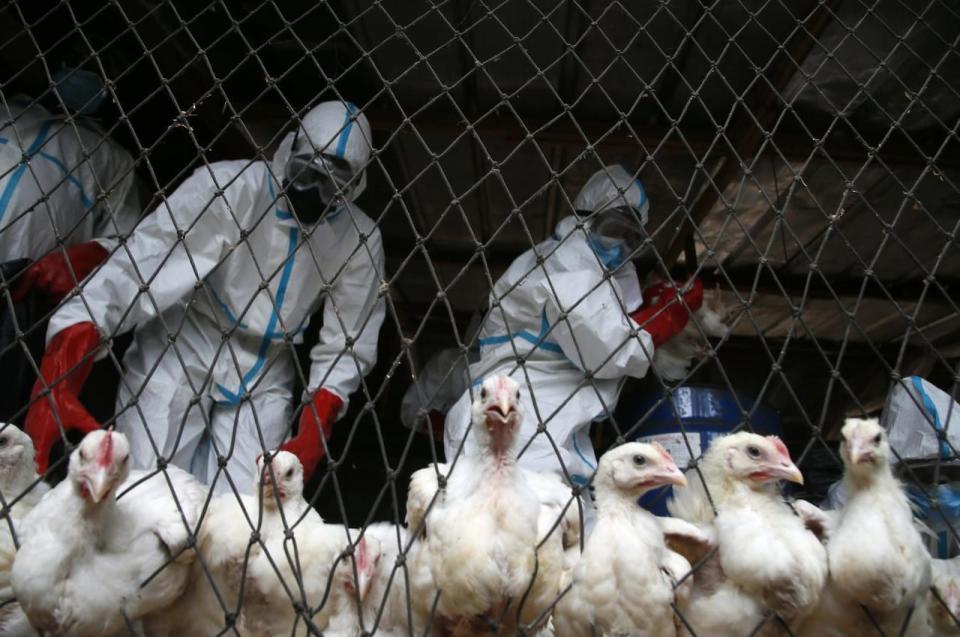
360 554
105 450
663 452
779 446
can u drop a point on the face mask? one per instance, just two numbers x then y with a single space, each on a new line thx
618 226
331 180
308 205
611 256
81 90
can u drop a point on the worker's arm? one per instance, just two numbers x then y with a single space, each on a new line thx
353 312
589 323
173 249
119 210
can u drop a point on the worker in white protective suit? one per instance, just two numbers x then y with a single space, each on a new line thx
567 321
435 390
218 283
439 383
67 190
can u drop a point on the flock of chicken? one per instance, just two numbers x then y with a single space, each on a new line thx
488 548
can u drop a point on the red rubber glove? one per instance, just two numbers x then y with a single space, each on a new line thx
51 275
307 445
667 316
65 367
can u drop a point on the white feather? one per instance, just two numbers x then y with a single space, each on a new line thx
83 568
21 489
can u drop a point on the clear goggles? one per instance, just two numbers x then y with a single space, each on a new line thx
329 175
618 226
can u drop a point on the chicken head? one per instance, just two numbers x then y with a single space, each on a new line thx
755 459
864 446
16 456
366 558
279 480
100 464
496 414
636 467
945 612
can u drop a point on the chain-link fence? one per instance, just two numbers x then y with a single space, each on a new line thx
232 227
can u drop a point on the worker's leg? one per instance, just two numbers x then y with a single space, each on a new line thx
157 408
241 433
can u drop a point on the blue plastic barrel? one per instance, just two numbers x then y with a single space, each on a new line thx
705 413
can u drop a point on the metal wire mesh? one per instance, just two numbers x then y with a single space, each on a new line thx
800 158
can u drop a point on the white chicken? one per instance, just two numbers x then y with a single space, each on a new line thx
943 608
392 561
558 542
673 359
422 493
767 559
249 572
295 557
482 529
21 489
211 604
619 587
879 567
106 548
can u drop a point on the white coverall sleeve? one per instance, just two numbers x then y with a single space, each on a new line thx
154 257
353 308
595 335
119 213
437 387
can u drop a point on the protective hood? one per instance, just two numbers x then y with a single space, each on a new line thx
81 90
331 128
611 187
576 250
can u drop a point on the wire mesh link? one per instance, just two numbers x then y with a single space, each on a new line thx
800 160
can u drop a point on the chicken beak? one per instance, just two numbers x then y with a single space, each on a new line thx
861 452
952 598
672 475
505 408
365 581
269 489
501 420
786 470
365 558
97 483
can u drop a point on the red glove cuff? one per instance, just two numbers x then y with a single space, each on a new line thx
667 317
308 445
661 323
52 276
65 367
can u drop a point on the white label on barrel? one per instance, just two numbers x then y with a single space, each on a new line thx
675 444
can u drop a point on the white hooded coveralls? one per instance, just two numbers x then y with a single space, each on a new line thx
565 319
213 345
75 208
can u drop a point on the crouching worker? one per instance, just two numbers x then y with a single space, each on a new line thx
567 322
218 283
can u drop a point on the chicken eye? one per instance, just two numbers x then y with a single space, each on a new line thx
288 474
483 394
753 451
518 394
3 441
877 439
639 461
